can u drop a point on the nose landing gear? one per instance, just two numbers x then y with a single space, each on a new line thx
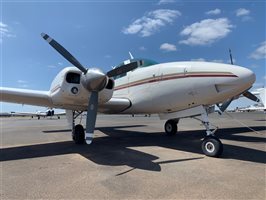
211 145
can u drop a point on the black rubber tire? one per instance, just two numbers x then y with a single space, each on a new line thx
78 134
170 127
212 146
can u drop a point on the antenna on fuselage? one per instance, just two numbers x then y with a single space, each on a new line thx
231 58
131 57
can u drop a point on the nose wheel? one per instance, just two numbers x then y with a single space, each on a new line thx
212 146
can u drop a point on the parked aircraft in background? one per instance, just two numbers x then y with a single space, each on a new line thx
173 90
257 107
39 114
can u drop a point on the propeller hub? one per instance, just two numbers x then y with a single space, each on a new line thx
94 80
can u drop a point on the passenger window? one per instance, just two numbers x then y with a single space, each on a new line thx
73 78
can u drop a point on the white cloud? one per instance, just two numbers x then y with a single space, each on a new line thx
168 47
214 60
108 56
22 81
242 12
22 84
152 22
258 85
142 48
213 12
217 61
206 31
260 52
253 66
198 59
51 66
5 32
166 2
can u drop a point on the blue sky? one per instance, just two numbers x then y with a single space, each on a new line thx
100 34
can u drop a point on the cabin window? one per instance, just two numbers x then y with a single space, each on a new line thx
73 78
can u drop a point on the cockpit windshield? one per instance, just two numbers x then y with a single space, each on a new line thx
139 62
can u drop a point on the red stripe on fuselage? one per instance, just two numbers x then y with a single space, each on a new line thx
171 77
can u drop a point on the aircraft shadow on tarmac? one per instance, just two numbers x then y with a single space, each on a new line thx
116 148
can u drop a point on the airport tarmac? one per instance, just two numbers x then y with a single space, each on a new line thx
132 158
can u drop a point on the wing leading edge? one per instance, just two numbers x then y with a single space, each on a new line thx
24 96
43 98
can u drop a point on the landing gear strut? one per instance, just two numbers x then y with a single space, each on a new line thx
170 127
211 145
78 134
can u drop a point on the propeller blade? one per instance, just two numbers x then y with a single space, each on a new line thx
91 116
60 49
251 96
225 105
122 69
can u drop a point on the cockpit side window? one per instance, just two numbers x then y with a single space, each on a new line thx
139 63
147 63
72 77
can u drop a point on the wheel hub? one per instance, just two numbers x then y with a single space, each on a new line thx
169 127
209 147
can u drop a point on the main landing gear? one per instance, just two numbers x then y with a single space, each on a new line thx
170 127
211 145
78 134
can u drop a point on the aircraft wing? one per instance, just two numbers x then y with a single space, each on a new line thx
27 114
23 96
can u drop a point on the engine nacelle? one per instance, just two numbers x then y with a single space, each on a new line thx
67 90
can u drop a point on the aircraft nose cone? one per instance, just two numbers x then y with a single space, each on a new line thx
246 76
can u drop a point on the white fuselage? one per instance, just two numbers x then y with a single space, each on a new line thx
176 86
161 88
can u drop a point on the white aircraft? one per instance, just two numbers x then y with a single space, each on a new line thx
39 114
140 86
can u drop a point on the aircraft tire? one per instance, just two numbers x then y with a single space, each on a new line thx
170 127
78 134
212 146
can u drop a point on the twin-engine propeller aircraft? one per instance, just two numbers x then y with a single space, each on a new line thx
39 114
139 86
